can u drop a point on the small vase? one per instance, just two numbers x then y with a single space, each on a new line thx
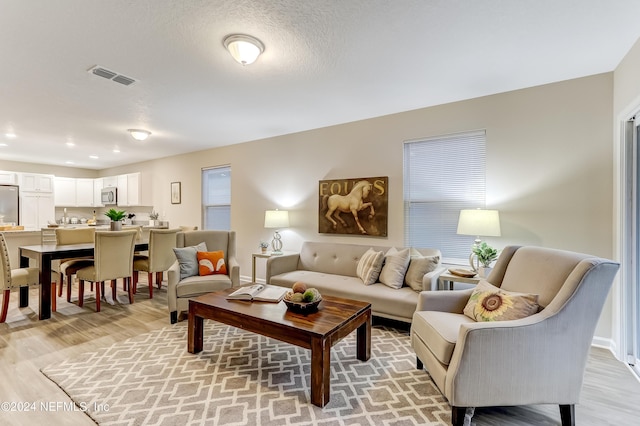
264 249
116 225
484 271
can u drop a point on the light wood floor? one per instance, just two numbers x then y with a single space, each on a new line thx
610 395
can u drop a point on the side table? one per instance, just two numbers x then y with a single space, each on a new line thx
449 278
266 255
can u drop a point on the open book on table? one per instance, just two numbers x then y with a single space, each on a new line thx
259 292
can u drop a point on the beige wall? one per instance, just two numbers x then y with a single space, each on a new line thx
549 170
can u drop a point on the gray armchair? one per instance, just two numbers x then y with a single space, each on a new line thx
539 359
179 291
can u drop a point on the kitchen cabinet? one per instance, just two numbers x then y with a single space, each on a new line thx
109 181
7 178
84 192
33 182
134 189
65 192
97 192
72 192
37 210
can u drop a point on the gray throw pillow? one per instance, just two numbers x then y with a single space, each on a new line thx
188 259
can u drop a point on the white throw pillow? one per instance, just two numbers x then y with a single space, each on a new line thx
394 268
418 267
369 266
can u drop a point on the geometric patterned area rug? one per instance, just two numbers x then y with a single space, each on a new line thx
242 378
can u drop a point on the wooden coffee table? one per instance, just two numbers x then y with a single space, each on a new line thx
318 331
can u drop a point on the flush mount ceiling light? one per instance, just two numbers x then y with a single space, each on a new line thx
244 48
139 134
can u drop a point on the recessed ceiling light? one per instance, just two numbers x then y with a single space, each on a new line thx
69 162
116 150
70 144
94 157
139 134
10 135
3 144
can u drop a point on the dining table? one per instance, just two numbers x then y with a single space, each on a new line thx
44 254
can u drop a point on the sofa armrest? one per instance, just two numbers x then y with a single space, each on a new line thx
443 301
234 271
277 265
430 279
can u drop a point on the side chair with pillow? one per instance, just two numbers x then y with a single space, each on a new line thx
206 262
521 337
113 260
12 279
160 258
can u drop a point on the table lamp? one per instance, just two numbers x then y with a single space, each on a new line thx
478 222
276 219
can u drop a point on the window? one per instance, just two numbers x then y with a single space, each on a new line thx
216 198
443 175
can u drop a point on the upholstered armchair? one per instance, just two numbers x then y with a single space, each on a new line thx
538 359
185 283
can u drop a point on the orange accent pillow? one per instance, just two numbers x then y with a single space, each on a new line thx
211 262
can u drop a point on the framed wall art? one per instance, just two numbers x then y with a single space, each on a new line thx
357 206
176 193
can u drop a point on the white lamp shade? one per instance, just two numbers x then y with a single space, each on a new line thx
243 48
276 219
479 222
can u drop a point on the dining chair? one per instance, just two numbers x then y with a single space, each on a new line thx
69 267
11 279
113 259
160 258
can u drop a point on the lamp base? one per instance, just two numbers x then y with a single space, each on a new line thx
276 244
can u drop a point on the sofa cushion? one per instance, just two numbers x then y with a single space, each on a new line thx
369 266
197 285
440 330
188 259
211 262
385 301
394 268
490 303
419 265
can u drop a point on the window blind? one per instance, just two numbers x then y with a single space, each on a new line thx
443 175
216 198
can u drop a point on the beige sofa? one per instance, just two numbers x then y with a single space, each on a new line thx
331 268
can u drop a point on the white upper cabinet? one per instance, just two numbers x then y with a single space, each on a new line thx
134 189
33 182
84 192
98 184
65 193
8 178
72 192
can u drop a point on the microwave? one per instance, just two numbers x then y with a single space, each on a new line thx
109 196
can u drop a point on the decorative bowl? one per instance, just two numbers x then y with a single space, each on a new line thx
302 307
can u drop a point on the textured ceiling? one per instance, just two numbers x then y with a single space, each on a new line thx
326 62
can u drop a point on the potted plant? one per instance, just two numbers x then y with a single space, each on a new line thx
153 216
486 255
116 217
263 246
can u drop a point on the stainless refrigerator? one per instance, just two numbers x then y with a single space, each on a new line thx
9 206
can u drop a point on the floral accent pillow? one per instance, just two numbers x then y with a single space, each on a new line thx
211 262
490 303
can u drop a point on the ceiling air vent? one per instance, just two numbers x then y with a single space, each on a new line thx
113 76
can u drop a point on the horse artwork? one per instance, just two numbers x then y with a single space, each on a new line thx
353 206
